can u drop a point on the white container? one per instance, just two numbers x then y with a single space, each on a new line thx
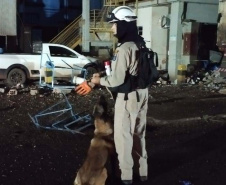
2 90
107 65
33 92
78 80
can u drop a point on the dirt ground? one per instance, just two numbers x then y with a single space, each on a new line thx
179 153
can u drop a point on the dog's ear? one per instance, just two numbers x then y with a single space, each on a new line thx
101 107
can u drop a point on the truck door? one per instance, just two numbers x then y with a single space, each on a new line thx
66 62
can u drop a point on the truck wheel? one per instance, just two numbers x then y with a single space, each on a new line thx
89 72
16 76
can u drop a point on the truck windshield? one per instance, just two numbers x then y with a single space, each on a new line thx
61 52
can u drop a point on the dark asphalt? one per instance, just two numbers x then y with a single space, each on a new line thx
186 139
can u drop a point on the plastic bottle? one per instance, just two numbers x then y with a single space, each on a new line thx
107 65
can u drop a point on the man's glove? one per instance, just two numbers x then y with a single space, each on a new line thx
83 88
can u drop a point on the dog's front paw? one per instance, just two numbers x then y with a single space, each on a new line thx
76 181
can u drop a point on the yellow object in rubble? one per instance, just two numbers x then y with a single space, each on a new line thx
48 75
181 73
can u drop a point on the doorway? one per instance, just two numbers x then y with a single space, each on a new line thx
207 39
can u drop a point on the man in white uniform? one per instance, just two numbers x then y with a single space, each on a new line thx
131 101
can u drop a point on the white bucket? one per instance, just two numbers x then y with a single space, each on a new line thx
78 80
33 92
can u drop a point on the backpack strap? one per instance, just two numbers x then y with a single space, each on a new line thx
126 96
142 45
156 59
138 98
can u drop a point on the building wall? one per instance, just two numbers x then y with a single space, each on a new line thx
8 17
157 38
160 36
189 42
146 24
49 12
149 18
221 34
45 19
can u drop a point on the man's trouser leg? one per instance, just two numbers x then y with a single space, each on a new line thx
126 113
139 143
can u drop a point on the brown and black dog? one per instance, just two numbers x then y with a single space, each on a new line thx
93 171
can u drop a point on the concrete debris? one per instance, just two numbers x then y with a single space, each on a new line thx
33 92
2 90
211 80
222 91
218 118
164 78
57 90
19 86
61 91
12 92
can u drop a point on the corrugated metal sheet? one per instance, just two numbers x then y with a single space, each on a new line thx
205 13
8 17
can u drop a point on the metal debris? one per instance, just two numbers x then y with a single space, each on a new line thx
61 117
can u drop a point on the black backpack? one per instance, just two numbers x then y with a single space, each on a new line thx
147 67
147 73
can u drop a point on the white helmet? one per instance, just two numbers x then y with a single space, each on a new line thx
122 13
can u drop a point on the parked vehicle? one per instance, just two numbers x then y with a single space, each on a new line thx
65 63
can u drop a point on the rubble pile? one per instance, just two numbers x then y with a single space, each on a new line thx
211 80
208 79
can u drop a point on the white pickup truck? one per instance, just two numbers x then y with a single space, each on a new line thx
18 68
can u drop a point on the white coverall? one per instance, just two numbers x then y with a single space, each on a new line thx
130 115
